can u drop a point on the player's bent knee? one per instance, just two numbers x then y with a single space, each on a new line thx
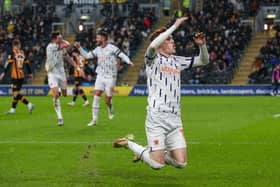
154 164
180 165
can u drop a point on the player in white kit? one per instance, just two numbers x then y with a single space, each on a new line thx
164 130
106 70
55 68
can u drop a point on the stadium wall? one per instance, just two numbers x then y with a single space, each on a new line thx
141 90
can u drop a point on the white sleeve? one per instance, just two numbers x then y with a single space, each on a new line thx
117 52
151 50
85 54
203 58
125 58
184 62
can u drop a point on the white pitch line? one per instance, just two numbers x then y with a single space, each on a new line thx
50 142
107 143
276 115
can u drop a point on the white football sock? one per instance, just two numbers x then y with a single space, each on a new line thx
57 108
144 153
95 107
138 149
171 161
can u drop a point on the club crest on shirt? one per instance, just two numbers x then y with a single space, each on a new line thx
156 141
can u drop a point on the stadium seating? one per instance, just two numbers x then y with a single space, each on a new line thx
127 33
269 56
226 39
32 31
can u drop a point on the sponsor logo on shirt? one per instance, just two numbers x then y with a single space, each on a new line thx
169 69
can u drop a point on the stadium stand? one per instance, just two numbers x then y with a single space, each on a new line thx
226 38
126 32
269 56
32 30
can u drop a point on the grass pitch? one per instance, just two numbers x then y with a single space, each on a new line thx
232 141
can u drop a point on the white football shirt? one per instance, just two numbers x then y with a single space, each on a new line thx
54 60
164 81
106 59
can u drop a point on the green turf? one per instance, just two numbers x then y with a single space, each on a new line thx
233 142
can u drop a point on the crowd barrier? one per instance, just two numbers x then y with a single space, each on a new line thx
141 90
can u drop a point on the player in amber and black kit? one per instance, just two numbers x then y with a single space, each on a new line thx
79 75
15 65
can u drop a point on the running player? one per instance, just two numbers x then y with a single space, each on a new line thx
16 63
79 75
54 66
106 70
164 130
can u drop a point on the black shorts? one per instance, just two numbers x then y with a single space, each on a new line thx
17 84
78 81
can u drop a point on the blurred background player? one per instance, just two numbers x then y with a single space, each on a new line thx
16 63
79 75
106 70
54 66
164 130
275 78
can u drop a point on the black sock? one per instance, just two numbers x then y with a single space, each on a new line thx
76 92
22 98
15 101
82 93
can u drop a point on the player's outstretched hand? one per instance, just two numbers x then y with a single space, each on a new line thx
77 45
179 21
199 38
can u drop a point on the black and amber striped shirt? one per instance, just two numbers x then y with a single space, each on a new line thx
16 63
81 63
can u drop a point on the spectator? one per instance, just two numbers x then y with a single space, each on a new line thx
227 39
125 32
275 78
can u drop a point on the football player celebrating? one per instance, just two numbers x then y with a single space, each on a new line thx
54 66
164 130
106 70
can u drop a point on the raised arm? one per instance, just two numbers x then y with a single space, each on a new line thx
200 60
87 55
122 55
151 50
203 57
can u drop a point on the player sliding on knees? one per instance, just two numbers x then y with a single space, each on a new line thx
164 130
106 70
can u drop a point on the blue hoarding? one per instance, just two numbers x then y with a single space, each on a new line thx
26 90
141 90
